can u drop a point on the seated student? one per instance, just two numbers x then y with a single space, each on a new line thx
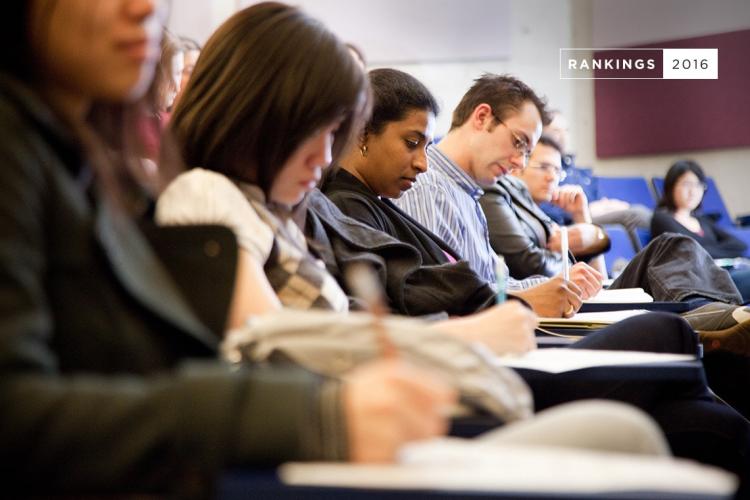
387 163
522 232
519 229
348 187
110 384
603 210
679 212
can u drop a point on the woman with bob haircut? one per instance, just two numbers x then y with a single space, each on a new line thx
679 212
111 382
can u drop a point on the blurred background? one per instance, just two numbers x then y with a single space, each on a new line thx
448 43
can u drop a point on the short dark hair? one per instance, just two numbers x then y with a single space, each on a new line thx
677 170
549 141
504 93
266 80
394 94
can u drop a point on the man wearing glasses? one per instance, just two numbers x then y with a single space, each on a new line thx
526 236
494 128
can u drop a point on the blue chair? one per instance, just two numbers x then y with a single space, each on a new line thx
620 252
634 190
644 236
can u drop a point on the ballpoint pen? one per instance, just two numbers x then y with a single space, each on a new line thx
564 252
363 282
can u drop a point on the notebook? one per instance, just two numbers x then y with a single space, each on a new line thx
620 296
590 320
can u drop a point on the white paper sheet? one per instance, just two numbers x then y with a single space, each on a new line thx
555 360
620 296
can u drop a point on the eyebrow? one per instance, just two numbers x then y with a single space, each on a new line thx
525 138
420 134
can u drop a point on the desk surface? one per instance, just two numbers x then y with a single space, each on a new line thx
264 485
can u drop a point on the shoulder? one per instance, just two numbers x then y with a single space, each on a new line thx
202 196
663 216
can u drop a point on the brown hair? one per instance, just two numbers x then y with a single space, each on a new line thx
549 141
503 93
266 80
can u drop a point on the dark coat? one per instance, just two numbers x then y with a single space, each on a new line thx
519 229
718 242
95 335
416 274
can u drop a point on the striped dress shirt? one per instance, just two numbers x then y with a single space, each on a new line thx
445 199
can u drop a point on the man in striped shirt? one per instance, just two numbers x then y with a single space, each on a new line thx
494 128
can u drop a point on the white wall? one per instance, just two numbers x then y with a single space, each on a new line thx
538 29
614 23
197 19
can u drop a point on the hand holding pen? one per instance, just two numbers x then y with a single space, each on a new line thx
363 283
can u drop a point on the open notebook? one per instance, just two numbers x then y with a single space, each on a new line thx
620 296
559 360
592 320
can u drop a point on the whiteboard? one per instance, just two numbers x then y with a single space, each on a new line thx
416 31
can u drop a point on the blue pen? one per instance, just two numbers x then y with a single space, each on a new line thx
501 278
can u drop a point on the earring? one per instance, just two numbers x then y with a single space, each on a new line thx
363 151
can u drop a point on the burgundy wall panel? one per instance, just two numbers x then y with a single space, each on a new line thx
659 116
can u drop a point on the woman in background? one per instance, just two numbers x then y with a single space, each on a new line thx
679 212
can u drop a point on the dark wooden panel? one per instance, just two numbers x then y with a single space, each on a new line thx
659 116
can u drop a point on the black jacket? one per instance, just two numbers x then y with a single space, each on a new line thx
96 391
519 229
718 242
418 276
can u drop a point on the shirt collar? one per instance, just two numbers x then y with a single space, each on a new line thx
454 172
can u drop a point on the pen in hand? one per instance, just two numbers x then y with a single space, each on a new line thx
564 251
363 282
501 279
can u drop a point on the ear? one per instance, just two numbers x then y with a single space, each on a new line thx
482 115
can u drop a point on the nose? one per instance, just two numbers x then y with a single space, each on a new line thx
141 9
420 161
321 153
